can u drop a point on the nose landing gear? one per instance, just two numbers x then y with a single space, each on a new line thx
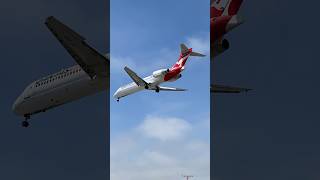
25 123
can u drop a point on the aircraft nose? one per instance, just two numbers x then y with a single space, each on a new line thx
116 94
234 22
16 106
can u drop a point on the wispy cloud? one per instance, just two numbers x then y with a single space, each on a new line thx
164 129
200 43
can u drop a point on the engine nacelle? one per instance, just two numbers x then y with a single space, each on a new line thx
175 78
160 72
219 47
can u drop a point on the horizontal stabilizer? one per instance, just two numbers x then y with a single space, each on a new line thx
184 49
197 54
227 89
162 88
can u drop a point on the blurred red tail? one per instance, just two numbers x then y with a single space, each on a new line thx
234 7
225 7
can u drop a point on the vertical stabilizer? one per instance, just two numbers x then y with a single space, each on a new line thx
225 7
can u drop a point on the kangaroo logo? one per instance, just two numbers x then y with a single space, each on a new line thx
218 5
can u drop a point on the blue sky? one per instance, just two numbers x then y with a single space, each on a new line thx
165 135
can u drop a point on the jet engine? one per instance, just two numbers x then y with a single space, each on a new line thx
220 47
160 72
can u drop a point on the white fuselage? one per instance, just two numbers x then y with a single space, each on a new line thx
57 89
133 87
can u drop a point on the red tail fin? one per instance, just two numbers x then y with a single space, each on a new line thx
225 7
234 7
185 53
216 8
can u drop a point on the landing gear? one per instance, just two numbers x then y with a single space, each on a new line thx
25 123
146 87
157 90
118 100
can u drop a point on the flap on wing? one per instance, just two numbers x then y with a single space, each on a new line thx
138 80
90 60
162 88
227 89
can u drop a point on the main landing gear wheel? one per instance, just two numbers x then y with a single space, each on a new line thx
157 90
118 100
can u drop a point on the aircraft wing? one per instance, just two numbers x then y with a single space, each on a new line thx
227 89
162 88
138 80
90 60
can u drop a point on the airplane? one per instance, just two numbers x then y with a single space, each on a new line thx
89 76
153 81
223 19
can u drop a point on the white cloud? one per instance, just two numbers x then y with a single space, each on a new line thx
158 158
134 156
164 129
200 43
